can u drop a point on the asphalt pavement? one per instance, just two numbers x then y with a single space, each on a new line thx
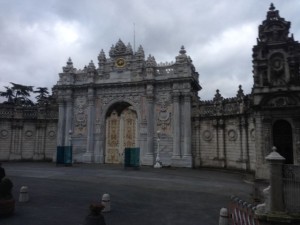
61 195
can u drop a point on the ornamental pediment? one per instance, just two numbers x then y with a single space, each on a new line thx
280 101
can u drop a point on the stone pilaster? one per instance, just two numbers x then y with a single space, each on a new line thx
262 144
149 156
17 136
90 127
187 153
39 147
68 117
61 122
196 138
176 129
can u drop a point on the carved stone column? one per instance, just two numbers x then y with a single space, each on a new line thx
90 127
68 117
16 142
39 145
262 145
187 129
61 122
149 157
176 128
196 138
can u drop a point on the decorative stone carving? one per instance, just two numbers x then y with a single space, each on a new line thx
120 49
281 101
207 135
134 99
164 116
4 133
80 114
232 135
51 134
28 133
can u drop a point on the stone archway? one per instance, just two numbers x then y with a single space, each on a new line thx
121 132
283 140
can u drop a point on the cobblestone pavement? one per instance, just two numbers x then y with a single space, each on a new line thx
61 195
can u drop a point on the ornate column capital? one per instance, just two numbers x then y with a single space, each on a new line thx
187 97
176 96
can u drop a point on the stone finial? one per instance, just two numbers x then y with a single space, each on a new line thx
111 51
120 48
182 50
272 13
140 53
101 57
272 7
274 155
182 57
91 67
70 61
69 67
218 97
240 94
129 49
150 62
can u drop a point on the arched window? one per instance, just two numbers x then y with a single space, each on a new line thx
283 140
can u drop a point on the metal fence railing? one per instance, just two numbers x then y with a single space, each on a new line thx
291 187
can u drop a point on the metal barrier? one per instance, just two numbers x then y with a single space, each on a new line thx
241 212
291 187
64 155
132 157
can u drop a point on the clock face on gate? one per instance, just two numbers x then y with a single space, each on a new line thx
120 62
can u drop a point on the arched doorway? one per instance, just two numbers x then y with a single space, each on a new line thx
121 132
283 140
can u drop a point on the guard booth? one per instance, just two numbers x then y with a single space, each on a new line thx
64 155
132 158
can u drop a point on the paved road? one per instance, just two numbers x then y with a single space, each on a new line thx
61 195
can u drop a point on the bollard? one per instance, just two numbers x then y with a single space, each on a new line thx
106 202
24 196
223 219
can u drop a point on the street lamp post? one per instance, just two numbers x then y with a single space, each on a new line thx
157 161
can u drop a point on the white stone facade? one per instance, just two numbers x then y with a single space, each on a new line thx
92 104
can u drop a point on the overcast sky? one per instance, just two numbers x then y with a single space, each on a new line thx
38 36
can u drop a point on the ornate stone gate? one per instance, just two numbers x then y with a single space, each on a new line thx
124 102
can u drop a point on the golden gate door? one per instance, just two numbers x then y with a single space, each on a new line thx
121 133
